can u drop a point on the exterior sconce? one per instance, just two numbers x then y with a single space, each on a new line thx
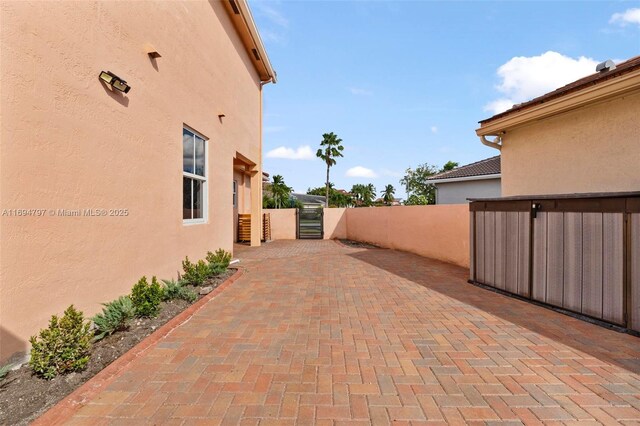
114 81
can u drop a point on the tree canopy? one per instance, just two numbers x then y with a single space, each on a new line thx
330 149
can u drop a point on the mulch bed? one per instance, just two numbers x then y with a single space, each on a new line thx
24 396
357 244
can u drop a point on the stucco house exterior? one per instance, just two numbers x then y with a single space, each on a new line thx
476 180
583 137
127 129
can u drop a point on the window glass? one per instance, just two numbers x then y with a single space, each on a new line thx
235 193
199 156
198 210
186 197
187 151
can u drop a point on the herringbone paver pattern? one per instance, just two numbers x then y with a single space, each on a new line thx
318 333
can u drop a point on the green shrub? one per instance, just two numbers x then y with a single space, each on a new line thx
195 273
146 297
114 316
215 269
220 257
4 370
63 346
177 290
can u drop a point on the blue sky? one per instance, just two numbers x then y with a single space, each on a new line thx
405 82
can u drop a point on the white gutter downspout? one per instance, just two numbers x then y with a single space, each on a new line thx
496 143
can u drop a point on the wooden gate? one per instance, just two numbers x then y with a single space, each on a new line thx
578 253
310 223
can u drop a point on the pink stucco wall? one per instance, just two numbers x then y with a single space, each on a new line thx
335 223
67 142
438 231
283 223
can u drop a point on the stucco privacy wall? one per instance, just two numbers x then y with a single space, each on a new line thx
436 231
283 223
439 232
591 149
67 142
335 223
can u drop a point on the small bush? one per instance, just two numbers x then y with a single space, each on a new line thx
177 290
63 346
215 269
195 273
220 257
4 370
146 297
114 317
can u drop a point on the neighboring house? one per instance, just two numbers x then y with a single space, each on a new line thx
476 180
102 186
581 138
566 232
309 201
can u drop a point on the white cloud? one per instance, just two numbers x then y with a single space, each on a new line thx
434 129
360 92
301 153
523 78
276 17
499 105
360 171
629 16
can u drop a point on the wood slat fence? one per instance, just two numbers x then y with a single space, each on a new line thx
577 253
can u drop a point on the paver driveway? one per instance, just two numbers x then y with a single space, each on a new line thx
319 333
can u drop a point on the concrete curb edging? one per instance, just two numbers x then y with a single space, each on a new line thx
65 408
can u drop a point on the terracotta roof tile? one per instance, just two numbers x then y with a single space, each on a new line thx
488 166
588 81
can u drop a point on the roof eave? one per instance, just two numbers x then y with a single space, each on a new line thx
465 178
245 25
606 90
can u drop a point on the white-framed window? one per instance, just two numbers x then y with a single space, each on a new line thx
235 193
194 177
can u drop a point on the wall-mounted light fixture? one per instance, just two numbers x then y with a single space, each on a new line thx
114 81
221 116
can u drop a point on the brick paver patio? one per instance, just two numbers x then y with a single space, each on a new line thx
319 333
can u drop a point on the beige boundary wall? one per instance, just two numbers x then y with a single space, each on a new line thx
438 231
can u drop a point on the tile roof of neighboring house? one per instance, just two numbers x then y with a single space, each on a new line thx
309 199
489 166
588 81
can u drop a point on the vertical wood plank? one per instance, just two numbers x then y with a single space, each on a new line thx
572 297
592 264
612 267
472 244
489 247
523 253
634 305
540 257
480 247
555 258
501 249
511 273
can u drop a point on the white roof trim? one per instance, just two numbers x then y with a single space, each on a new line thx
465 178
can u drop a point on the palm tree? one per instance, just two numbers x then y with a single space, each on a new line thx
368 194
330 148
280 191
387 194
